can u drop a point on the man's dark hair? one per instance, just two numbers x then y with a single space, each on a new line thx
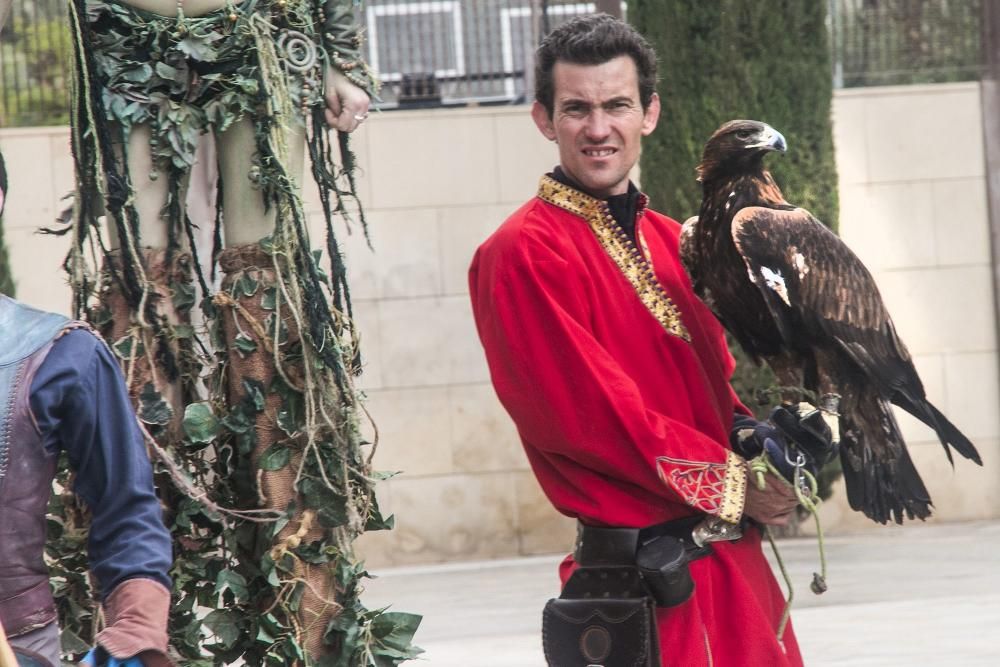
593 40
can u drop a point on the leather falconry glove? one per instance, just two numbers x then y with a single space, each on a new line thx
791 433
136 633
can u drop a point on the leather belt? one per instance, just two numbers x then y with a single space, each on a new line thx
596 546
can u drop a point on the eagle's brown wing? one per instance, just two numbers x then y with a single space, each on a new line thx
822 296
689 257
820 293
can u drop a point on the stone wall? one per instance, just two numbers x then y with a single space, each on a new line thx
437 182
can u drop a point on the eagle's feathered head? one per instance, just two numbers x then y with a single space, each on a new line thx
738 145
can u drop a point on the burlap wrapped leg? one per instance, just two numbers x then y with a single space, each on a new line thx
151 355
248 286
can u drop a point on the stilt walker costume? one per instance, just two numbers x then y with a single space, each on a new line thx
274 484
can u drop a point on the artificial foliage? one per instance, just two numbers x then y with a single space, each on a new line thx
235 385
767 60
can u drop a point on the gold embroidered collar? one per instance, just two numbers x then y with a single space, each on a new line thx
630 260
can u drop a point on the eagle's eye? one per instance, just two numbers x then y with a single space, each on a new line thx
743 134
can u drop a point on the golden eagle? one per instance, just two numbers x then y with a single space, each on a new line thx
793 294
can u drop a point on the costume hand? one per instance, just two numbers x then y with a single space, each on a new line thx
346 103
774 504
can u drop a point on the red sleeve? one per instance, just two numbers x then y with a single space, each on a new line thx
569 396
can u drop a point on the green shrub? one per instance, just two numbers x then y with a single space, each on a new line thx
6 279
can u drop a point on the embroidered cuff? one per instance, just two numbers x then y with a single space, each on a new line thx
718 489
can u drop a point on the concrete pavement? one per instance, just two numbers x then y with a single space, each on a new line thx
916 596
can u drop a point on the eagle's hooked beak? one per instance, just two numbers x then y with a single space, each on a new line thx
769 139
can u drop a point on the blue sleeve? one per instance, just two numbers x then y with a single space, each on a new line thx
80 404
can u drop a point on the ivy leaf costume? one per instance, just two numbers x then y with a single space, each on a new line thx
254 416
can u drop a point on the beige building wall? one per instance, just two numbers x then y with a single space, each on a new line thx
437 182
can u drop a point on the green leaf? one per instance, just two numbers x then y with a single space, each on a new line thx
138 74
317 256
183 331
287 422
255 393
396 628
344 631
183 296
236 421
197 47
270 570
246 286
377 522
234 581
269 299
291 415
275 458
282 336
71 643
246 442
165 71
330 506
244 344
200 424
123 347
225 625
152 408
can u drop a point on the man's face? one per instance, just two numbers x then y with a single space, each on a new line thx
598 122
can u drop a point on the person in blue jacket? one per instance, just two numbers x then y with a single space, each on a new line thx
62 390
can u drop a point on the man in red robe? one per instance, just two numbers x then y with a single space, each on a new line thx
615 374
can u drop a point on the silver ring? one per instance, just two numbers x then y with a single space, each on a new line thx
360 117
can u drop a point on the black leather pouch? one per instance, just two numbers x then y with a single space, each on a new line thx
610 632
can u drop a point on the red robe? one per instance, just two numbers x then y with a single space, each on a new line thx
618 381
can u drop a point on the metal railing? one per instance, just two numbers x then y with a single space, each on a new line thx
457 52
35 53
891 42
429 53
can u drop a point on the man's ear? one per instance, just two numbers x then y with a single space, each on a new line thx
651 116
541 117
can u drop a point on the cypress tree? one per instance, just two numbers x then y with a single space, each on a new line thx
6 279
766 60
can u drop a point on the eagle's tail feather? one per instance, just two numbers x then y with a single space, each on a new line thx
882 489
947 432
